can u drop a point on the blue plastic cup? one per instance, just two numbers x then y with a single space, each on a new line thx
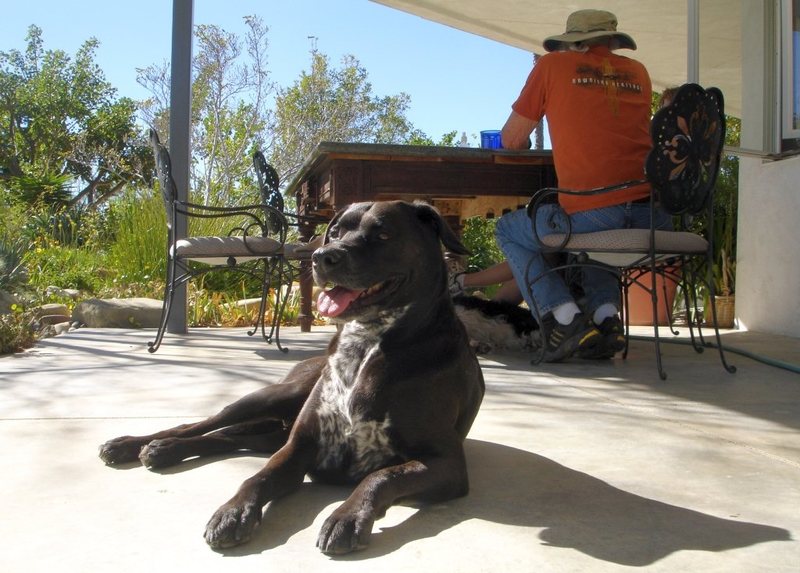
490 139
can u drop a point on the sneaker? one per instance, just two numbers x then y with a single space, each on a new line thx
612 341
563 340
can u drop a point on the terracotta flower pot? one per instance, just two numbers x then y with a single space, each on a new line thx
640 306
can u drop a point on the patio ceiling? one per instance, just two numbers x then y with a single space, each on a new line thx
659 28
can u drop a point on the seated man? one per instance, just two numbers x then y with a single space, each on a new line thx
597 105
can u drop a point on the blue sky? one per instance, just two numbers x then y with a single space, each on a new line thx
457 81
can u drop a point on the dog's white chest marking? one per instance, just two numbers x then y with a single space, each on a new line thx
348 441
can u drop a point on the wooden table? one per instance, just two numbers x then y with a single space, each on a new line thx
460 182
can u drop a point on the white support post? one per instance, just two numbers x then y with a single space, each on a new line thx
693 41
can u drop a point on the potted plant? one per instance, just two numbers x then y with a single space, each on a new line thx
726 199
724 298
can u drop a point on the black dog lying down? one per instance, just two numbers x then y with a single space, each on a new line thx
386 409
494 325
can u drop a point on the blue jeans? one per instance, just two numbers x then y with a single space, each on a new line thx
515 238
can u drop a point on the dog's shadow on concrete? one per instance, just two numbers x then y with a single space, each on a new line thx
562 507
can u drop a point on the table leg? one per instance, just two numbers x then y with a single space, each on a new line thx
306 316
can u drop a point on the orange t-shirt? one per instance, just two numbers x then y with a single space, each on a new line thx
597 106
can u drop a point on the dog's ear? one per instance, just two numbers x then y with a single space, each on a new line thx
331 225
429 215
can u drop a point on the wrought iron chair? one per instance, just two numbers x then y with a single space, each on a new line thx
285 268
256 239
682 168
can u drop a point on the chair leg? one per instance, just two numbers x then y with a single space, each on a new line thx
169 293
627 313
273 269
668 311
262 304
693 319
656 339
276 273
153 345
728 367
275 325
272 273
284 273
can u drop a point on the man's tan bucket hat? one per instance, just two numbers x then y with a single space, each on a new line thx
586 25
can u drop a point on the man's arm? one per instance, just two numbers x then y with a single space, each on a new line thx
516 132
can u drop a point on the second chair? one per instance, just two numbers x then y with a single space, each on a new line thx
253 244
294 257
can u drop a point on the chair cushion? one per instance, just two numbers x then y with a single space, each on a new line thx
217 250
624 247
302 251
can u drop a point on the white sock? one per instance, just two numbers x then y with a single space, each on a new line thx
565 313
603 312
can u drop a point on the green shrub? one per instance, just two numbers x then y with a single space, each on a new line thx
138 250
14 216
213 308
120 251
478 237
234 281
16 334
56 225
66 267
76 226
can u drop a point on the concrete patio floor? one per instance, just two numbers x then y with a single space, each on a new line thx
581 466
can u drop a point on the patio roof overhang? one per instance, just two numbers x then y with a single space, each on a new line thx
661 30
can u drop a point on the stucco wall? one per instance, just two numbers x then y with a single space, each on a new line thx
768 246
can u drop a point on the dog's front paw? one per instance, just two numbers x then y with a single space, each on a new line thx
161 453
232 525
121 450
344 532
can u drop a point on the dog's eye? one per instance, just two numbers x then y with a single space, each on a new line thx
333 233
383 236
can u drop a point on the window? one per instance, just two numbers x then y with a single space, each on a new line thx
791 69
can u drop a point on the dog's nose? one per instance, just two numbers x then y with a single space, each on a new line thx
326 257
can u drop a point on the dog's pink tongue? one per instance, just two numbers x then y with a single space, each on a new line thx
333 302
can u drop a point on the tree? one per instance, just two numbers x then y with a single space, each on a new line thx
334 104
231 116
60 122
417 137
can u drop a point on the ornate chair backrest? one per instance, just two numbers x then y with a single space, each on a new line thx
268 185
169 191
688 135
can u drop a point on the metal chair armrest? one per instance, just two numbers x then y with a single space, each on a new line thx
545 195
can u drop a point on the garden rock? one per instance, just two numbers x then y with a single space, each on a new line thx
52 309
118 313
62 328
247 304
54 319
63 292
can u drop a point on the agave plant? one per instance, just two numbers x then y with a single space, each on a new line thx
13 274
48 189
62 225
